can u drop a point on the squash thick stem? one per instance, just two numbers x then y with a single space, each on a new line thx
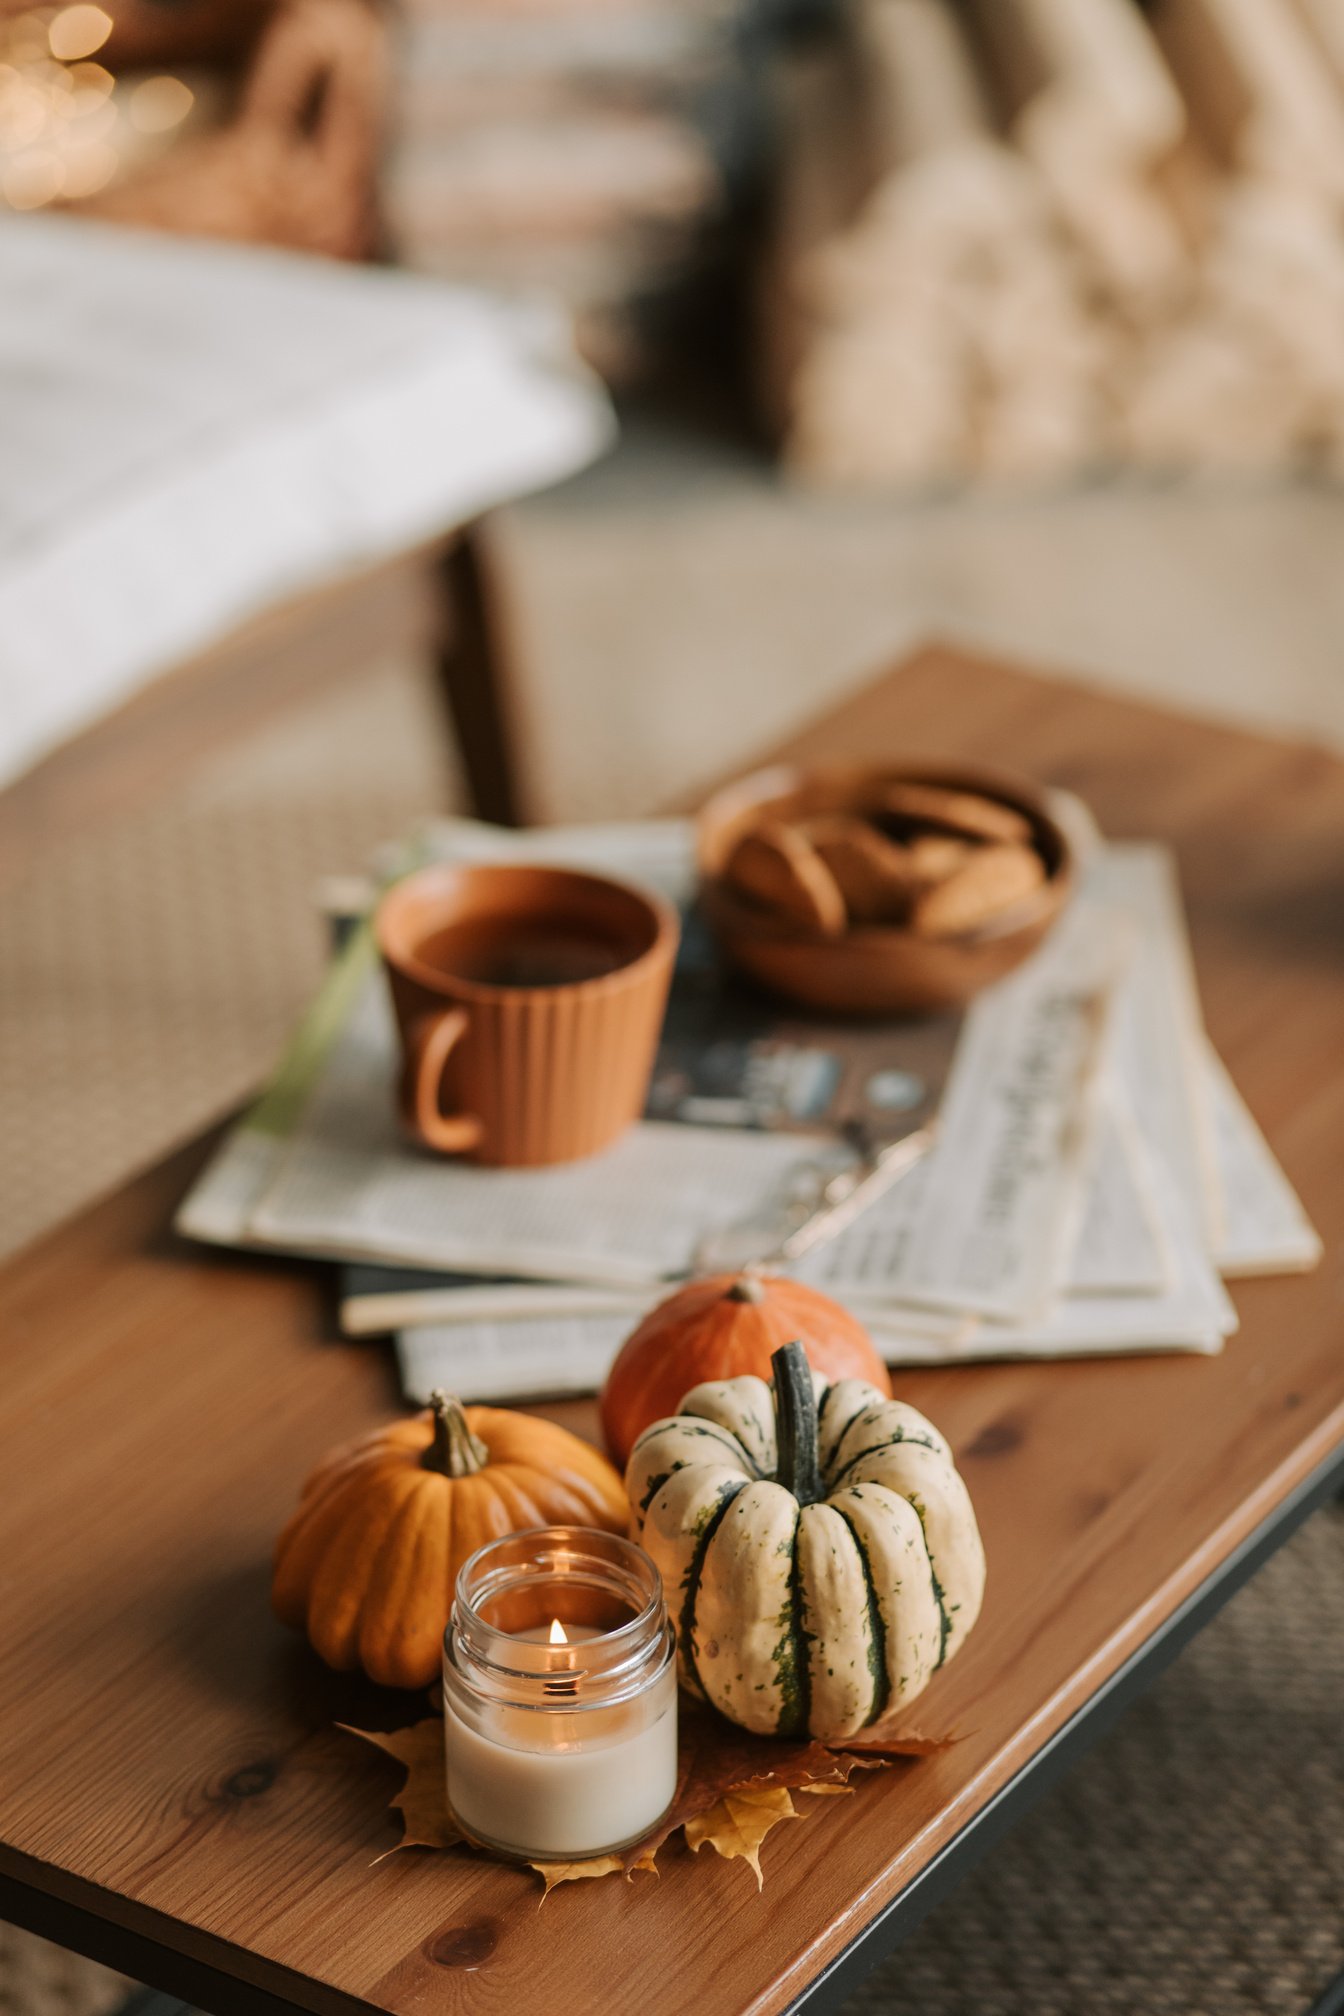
455 1450
747 1288
799 1470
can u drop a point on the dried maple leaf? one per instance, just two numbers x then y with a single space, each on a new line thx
739 1822
552 1873
732 1787
877 1742
716 1757
422 1800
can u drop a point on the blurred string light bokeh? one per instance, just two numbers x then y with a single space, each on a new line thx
69 127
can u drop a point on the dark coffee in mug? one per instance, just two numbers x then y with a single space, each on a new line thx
521 952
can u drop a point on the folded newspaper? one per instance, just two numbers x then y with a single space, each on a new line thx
1093 1169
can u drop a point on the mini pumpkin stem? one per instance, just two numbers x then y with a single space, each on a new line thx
455 1450
799 1469
747 1288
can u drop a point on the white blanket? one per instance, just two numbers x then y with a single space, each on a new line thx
190 432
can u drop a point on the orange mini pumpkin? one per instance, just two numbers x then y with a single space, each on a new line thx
720 1328
366 1565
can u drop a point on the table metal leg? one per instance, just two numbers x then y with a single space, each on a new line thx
1331 2003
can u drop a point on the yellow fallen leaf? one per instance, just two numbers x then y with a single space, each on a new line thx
422 1800
739 1822
888 1739
732 1788
552 1873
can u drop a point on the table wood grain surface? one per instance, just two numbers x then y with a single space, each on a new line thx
168 1758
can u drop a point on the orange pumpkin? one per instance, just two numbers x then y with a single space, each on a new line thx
366 1565
720 1328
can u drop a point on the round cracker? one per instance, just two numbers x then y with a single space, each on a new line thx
779 869
991 880
945 810
877 877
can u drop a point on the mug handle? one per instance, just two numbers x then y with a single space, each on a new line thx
428 1044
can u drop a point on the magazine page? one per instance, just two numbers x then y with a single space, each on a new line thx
1009 1196
553 1354
525 1358
377 1300
1034 1202
728 1058
1159 1031
350 1184
987 1222
1264 1228
1192 1312
1122 1247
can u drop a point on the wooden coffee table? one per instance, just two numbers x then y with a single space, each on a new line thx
175 1799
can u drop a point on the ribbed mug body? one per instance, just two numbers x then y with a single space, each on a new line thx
547 1073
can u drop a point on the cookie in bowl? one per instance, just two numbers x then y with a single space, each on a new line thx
880 890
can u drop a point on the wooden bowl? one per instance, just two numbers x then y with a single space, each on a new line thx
876 969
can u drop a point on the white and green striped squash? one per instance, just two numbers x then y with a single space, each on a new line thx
817 1545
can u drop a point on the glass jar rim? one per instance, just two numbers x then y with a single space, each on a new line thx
606 1667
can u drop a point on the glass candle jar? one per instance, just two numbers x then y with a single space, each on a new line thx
559 1695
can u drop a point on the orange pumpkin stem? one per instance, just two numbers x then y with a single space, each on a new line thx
747 1288
455 1451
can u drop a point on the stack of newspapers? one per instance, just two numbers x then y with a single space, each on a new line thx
1092 1178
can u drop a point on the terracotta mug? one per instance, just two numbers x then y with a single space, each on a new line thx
529 1002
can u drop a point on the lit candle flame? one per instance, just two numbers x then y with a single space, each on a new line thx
558 1632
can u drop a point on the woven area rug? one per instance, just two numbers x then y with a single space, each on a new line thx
149 973
1194 1864
39 1979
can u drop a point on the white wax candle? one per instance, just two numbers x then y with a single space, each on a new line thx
555 1785
560 1739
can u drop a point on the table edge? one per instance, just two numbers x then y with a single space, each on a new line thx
115 1930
